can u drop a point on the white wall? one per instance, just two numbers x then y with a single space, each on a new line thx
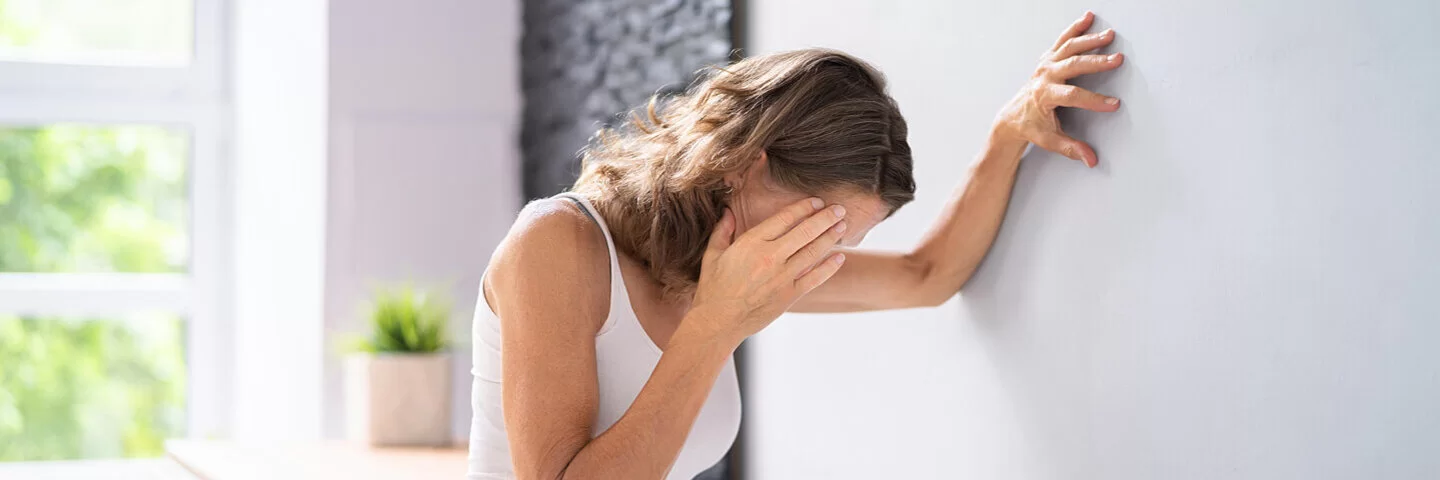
1243 288
424 168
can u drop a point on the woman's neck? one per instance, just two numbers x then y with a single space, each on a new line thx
652 290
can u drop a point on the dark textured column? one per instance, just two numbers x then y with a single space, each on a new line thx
585 61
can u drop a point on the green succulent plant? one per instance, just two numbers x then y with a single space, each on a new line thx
405 320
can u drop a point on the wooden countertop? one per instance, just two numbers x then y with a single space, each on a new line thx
218 460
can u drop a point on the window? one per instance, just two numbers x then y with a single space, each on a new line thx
77 388
111 226
93 199
120 32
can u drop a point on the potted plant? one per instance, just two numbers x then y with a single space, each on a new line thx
397 381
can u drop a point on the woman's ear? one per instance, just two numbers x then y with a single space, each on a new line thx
751 174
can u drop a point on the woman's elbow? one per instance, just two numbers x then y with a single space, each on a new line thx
554 472
936 297
933 286
555 461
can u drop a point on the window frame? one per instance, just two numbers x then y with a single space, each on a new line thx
193 98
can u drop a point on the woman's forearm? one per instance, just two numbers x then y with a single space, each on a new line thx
644 443
958 240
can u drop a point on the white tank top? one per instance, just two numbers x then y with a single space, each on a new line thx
624 356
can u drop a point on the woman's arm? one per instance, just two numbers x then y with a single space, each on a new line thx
646 440
551 299
956 243
946 255
546 282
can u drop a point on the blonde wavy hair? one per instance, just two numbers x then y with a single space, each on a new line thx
822 117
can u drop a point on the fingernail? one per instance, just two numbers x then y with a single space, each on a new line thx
839 211
839 258
1114 57
840 227
1107 32
1112 101
817 203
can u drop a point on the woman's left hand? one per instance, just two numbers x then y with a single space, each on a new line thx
1030 116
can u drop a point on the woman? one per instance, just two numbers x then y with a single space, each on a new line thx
621 301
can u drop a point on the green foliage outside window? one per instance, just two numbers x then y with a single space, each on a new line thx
98 388
82 199
92 199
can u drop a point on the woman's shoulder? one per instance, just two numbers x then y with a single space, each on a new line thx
553 246
554 229
556 223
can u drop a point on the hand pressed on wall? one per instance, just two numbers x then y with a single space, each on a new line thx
1030 116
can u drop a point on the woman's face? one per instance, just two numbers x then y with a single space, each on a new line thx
758 197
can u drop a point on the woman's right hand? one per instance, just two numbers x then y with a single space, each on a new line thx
748 281
1030 116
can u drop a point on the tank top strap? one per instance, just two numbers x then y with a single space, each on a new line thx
619 296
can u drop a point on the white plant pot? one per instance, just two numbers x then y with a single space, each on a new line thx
398 399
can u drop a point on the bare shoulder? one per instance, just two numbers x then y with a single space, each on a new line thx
552 223
554 258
